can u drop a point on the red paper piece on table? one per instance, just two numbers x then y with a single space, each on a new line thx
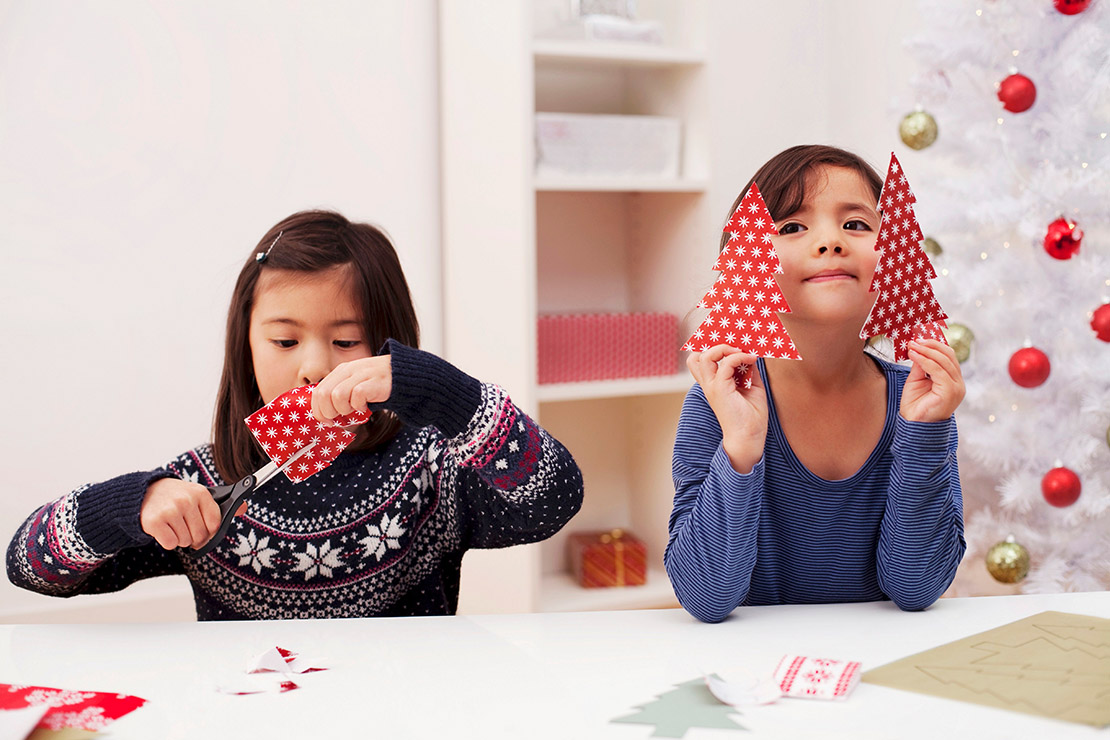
745 302
816 678
81 710
906 307
286 424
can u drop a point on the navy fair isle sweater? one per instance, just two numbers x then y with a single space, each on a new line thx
782 535
378 533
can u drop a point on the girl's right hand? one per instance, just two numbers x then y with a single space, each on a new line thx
741 412
178 513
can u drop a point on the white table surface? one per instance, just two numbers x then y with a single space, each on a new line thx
523 676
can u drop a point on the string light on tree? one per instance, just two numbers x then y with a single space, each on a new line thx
1017 93
1008 561
1029 367
1062 239
1061 487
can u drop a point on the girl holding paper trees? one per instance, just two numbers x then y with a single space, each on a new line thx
830 476
445 463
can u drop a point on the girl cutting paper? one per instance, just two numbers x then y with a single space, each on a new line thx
829 479
446 463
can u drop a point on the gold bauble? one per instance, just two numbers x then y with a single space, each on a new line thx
918 130
959 339
1008 562
932 247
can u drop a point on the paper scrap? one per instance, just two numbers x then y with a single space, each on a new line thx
741 689
82 710
816 678
269 672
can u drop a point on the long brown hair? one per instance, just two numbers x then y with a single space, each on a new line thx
310 241
782 180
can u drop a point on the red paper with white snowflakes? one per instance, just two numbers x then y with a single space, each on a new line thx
906 307
285 425
745 301
816 678
81 710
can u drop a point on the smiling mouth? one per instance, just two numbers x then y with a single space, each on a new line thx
829 277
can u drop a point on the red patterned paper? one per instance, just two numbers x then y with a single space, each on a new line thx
745 302
906 307
81 710
286 424
816 678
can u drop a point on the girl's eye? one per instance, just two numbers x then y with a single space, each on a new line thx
858 225
285 343
791 228
346 343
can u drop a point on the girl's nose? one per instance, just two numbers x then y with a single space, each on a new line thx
837 249
314 366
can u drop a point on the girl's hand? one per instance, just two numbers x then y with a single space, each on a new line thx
177 513
741 412
352 385
935 385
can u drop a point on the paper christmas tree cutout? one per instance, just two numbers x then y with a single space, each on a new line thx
906 307
286 425
745 301
689 705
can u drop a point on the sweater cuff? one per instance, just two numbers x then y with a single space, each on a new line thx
109 520
429 391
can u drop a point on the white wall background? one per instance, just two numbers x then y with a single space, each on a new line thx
146 146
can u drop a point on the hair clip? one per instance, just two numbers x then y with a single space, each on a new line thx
261 256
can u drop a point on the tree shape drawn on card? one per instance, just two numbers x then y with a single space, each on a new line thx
745 301
286 425
906 307
690 704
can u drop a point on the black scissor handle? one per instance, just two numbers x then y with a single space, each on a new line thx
229 498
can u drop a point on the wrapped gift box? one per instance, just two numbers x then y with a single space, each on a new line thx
577 347
595 144
610 558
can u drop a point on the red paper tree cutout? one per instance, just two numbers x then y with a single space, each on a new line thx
745 302
906 307
286 424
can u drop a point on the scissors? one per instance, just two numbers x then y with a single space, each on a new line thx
231 497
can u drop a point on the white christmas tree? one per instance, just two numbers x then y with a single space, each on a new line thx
987 189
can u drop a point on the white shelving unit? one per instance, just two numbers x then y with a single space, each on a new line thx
517 245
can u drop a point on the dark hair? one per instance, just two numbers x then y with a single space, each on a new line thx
782 180
310 241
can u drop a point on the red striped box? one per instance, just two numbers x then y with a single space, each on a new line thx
606 346
605 559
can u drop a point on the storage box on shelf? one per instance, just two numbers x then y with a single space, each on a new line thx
581 347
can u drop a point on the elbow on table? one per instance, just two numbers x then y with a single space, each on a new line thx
913 602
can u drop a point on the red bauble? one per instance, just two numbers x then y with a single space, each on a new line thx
1061 487
1062 239
1029 367
1100 322
1017 93
1071 7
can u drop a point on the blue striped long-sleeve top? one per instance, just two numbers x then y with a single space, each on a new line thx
782 535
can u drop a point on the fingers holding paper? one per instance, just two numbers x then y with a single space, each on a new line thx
352 385
935 385
734 390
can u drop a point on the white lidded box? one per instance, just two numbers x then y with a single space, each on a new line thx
595 144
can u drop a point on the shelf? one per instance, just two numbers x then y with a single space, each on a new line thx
678 383
618 184
626 54
562 594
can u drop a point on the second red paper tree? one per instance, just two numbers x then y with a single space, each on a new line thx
745 301
906 307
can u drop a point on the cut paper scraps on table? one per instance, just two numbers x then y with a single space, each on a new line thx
286 425
745 301
269 672
688 705
816 678
1051 664
906 308
67 709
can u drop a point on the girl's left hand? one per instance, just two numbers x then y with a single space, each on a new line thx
352 385
935 385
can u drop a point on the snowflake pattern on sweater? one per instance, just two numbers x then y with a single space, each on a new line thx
376 533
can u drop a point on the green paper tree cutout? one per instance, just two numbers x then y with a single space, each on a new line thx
689 705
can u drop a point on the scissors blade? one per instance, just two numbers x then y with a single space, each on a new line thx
268 471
